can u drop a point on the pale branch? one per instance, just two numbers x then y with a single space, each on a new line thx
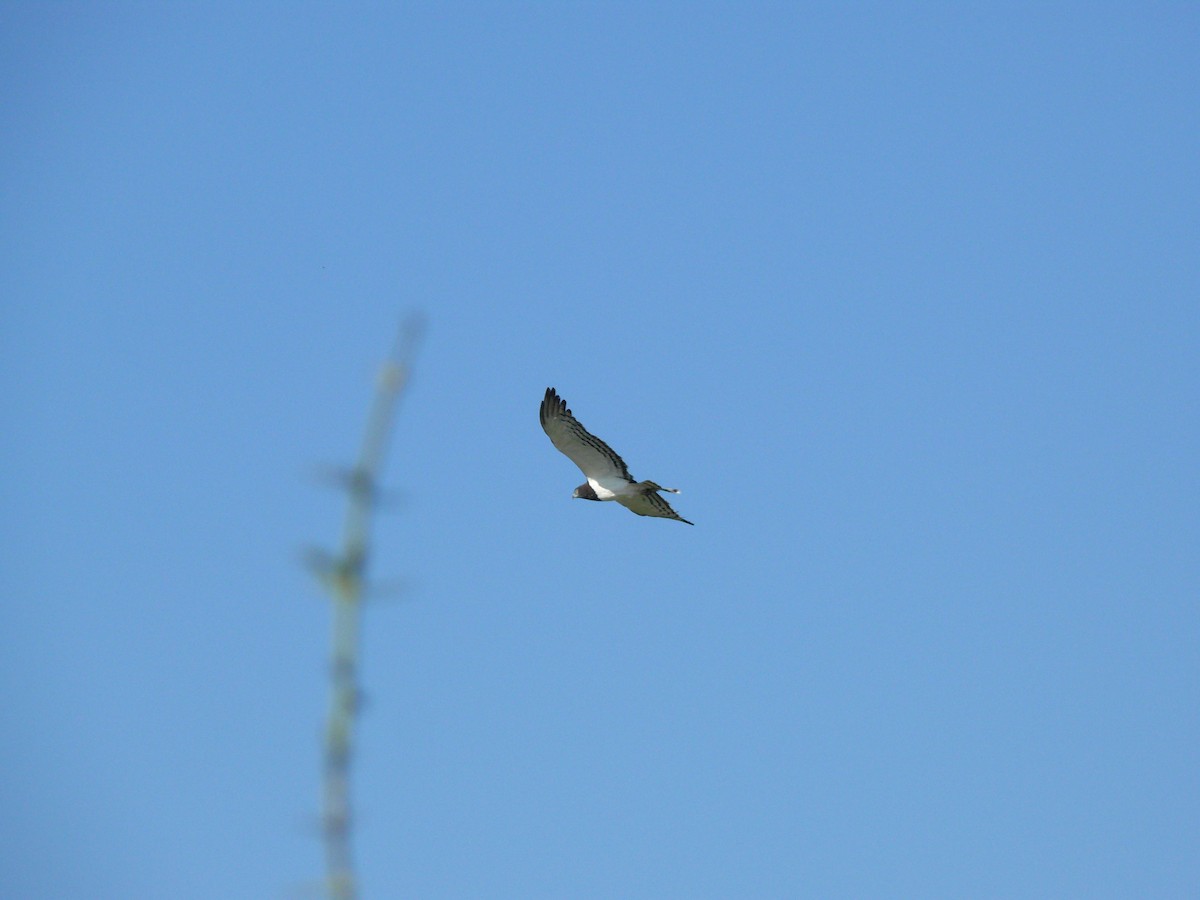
345 576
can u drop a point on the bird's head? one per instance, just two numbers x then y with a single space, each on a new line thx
584 492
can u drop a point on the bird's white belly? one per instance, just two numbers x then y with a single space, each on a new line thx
608 488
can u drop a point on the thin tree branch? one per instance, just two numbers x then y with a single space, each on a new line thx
345 575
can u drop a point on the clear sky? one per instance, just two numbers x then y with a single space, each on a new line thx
903 297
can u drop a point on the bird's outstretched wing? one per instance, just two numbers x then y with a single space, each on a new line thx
650 504
596 459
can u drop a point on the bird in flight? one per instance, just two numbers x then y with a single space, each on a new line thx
607 475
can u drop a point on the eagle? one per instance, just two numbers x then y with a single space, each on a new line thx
607 475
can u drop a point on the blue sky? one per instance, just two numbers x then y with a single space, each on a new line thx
903 297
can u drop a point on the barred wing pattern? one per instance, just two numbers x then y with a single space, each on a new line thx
650 503
594 457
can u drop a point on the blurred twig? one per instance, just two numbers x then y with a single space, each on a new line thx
345 576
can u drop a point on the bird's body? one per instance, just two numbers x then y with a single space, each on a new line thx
610 491
607 475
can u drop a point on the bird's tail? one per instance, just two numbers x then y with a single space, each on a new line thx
647 486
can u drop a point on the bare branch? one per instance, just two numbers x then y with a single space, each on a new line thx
345 576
